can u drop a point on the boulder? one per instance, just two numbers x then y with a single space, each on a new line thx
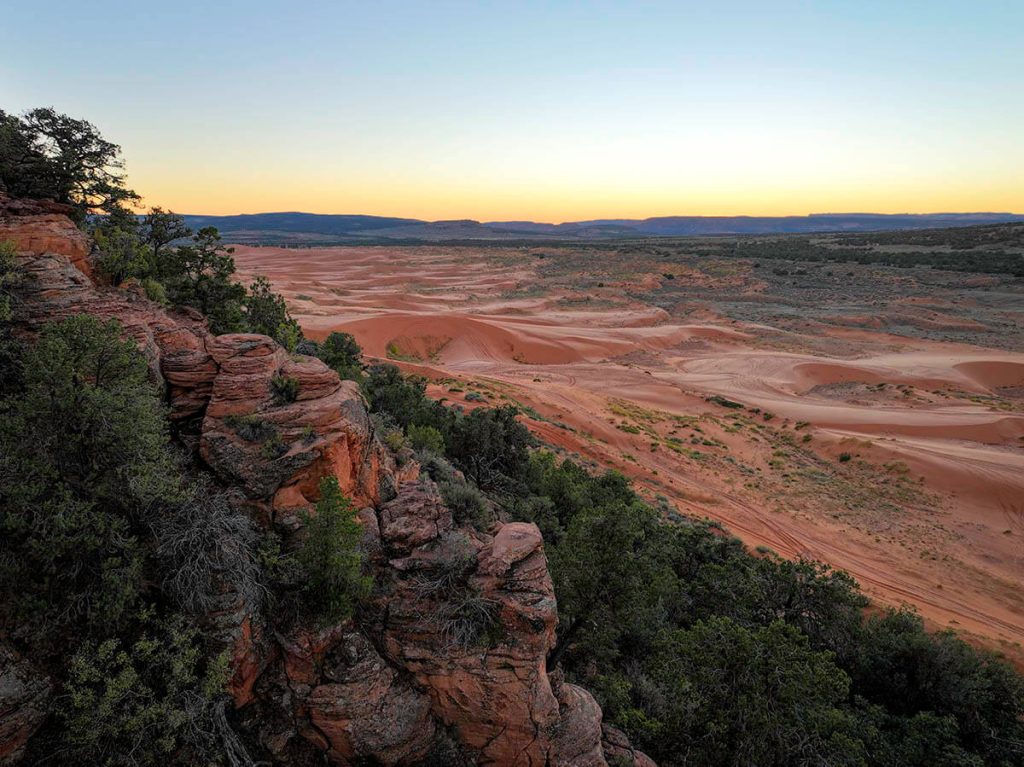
617 749
577 738
365 711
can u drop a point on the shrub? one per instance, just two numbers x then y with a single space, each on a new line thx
265 310
284 389
10 277
274 447
466 502
732 695
155 291
203 544
844 457
491 447
82 452
425 438
469 619
330 557
251 428
394 440
288 335
147 702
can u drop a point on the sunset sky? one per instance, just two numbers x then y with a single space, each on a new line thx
546 111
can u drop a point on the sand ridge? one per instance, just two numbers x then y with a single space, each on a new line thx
896 457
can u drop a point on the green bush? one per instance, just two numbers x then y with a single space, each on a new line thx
284 389
251 428
145 702
466 503
82 454
274 447
425 438
730 695
330 557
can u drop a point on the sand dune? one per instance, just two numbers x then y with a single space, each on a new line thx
929 510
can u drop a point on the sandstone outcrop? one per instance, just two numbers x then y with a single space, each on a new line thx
455 638
41 226
472 617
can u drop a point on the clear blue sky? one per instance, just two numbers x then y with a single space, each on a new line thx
551 111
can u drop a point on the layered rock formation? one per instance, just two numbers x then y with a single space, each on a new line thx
454 638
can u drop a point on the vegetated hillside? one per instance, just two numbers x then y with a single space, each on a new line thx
222 548
992 249
307 228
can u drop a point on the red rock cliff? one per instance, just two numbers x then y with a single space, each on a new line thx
461 623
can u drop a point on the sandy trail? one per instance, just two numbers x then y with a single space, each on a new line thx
928 509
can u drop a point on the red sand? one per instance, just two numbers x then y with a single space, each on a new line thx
955 552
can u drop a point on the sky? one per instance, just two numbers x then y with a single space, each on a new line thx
549 111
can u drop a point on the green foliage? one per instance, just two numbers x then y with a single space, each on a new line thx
467 503
266 313
159 229
122 254
47 154
341 353
394 440
284 389
82 455
155 291
898 665
289 334
330 557
273 447
251 428
10 278
145 702
725 694
425 438
402 399
89 414
200 276
490 446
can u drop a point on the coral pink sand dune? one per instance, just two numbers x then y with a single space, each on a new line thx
936 422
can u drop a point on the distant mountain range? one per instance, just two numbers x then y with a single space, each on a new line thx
309 228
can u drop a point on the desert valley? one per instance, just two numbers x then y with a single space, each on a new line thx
867 416
512 384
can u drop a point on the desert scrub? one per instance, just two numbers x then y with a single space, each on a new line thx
284 389
251 428
721 401
425 438
154 698
474 396
451 605
466 503
273 448
394 440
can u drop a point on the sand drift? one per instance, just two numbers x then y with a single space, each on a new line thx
783 445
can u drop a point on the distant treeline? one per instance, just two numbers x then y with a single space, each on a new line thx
995 249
